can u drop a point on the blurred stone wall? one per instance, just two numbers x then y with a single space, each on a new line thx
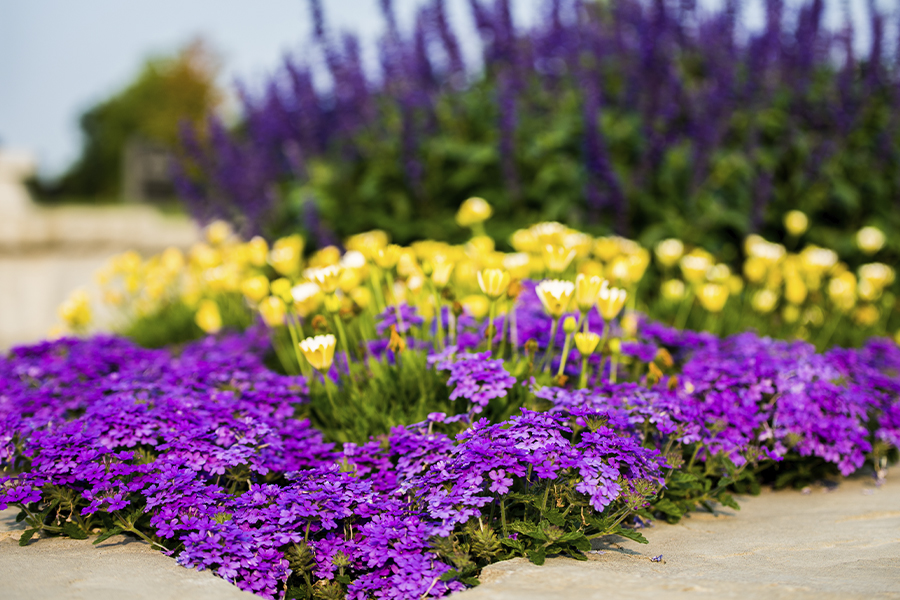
46 253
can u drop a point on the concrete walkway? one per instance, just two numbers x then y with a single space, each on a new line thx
821 545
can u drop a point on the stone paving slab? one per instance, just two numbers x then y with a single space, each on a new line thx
842 543
822 545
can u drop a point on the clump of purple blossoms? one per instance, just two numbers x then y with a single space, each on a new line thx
475 376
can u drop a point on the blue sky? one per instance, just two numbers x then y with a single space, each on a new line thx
60 57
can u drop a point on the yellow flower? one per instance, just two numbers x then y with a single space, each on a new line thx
755 269
523 240
472 211
870 239
327 256
764 301
713 297
695 265
257 251
579 242
493 282
208 317
281 287
606 248
586 342
172 260
218 232
672 290
591 268
477 305
518 264
387 257
610 302
76 310
555 295
441 270
878 274
718 273
286 254
586 291
362 296
796 223
255 288
319 351
866 315
842 291
790 313
368 243
557 258
669 251
272 309
735 284
307 297
795 290
326 278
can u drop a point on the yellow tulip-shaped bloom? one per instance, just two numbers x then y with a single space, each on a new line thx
319 351
441 270
586 342
307 298
326 278
472 211
555 295
795 290
286 254
558 258
610 302
694 266
586 291
272 309
368 243
672 289
387 257
257 251
477 305
255 288
281 287
669 251
796 223
764 301
713 297
208 317
493 282
218 232
870 239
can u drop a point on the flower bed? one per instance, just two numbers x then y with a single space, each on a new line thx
210 456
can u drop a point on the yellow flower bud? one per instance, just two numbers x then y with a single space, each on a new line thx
866 315
586 342
755 269
255 288
795 290
257 251
319 351
272 309
790 313
555 295
672 290
387 257
796 223
218 232
557 258
878 274
286 254
842 291
368 243
493 282
764 301
870 239
333 303
610 302
326 257
524 240
307 297
208 317
606 248
326 278
362 296
570 325
694 266
281 287
735 285
590 268
713 297
441 271
586 291
669 251
472 211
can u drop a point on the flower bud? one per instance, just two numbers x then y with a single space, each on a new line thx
570 325
713 297
493 282
870 239
472 211
586 291
272 309
208 317
610 302
669 251
255 288
586 342
796 223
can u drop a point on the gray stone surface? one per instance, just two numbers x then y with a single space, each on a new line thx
120 568
843 543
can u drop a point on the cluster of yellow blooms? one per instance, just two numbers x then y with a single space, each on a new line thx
372 274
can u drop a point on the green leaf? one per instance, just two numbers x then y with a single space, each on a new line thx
555 517
537 556
26 536
632 534
74 531
21 516
668 507
728 500
108 534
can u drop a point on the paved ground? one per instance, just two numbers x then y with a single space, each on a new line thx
822 545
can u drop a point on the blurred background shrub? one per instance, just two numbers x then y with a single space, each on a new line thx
646 119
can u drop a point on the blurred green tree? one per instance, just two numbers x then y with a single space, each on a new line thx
167 91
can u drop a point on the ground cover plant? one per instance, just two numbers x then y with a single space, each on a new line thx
640 118
397 418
